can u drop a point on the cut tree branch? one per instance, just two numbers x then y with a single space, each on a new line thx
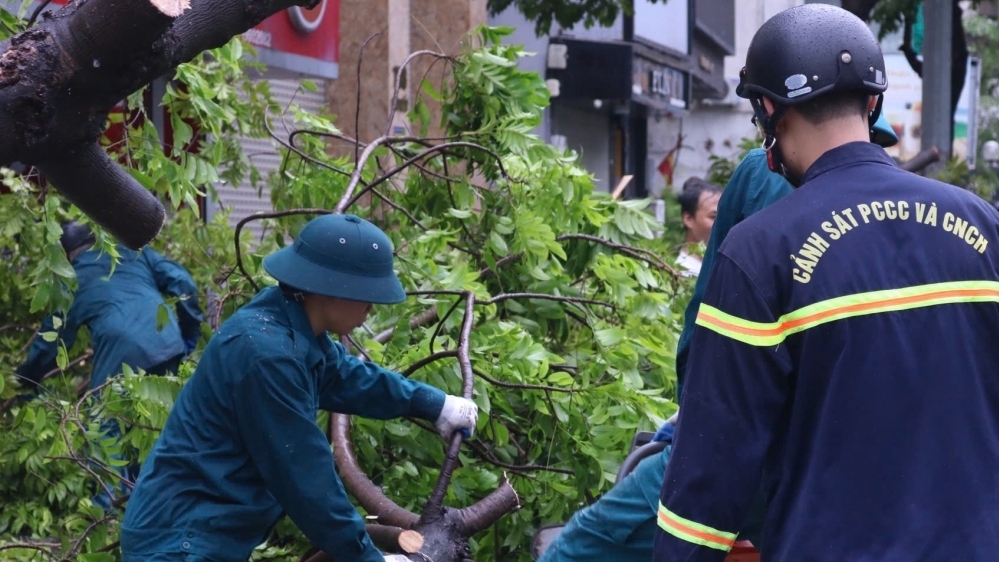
370 496
60 79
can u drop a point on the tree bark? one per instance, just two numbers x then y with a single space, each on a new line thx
59 80
387 539
367 493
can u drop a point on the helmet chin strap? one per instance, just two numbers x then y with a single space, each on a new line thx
768 125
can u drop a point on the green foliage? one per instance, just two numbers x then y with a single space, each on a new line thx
983 41
892 14
566 13
720 169
560 385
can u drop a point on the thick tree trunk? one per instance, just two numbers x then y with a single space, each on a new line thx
59 80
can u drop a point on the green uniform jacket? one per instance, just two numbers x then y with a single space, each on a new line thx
241 446
121 310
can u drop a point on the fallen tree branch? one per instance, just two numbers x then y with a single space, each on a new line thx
398 82
63 76
921 160
367 493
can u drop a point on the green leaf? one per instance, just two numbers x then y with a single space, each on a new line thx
162 317
610 337
459 213
62 358
41 298
427 87
49 336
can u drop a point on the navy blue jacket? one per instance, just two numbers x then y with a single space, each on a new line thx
241 446
121 310
846 357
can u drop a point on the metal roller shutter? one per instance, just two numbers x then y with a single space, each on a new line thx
243 200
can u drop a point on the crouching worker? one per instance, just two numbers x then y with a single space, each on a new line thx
241 447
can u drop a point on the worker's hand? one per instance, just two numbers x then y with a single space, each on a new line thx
458 414
397 558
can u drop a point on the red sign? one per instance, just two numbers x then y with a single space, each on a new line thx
301 41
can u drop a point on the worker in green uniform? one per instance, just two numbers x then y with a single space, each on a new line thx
241 446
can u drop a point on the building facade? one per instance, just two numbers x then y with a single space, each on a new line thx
621 93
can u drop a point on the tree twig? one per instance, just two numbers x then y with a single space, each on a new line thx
357 108
398 82
37 12
522 386
428 360
637 253
259 216
543 296
349 198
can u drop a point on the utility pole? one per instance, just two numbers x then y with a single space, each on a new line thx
938 18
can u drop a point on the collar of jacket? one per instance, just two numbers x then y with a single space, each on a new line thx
317 346
845 155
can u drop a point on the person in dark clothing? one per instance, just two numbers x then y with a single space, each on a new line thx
120 306
120 309
844 353
241 447
620 526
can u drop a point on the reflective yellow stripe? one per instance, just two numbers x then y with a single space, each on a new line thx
687 530
874 302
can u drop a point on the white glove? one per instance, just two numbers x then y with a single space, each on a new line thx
458 414
397 558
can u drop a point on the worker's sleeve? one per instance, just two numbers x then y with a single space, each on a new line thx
276 420
172 279
752 188
353 386
739 371
42 354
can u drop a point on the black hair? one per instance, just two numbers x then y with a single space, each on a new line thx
690 197
835 105
76 235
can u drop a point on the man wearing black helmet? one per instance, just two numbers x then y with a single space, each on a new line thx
844 354
241 447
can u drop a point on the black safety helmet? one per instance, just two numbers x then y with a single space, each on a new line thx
810 50
806 52
75 235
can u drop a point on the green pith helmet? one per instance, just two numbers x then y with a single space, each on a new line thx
340 256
